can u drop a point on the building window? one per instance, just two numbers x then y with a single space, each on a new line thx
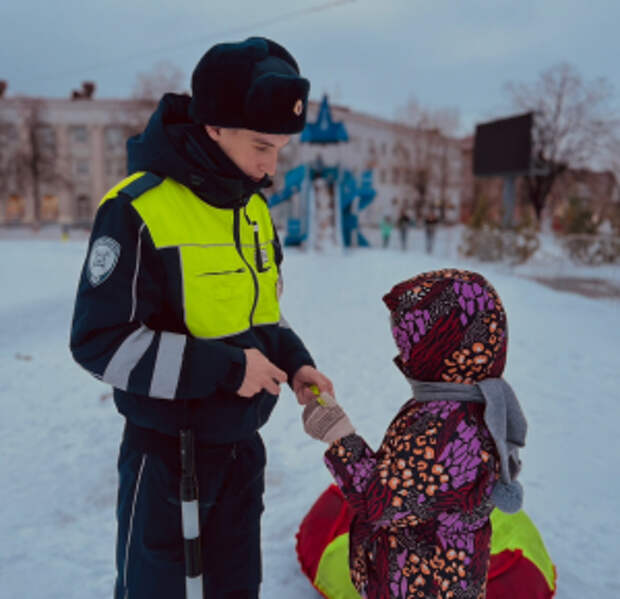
8 133
49 208
382 176
82 167
395 176
46 138
15 208
82 208
79 134
383 148
115 167
114 139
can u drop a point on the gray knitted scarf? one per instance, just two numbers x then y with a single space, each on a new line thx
505 421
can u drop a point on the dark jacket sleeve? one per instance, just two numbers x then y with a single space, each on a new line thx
292 353
116 332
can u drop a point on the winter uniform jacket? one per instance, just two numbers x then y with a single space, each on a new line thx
422 503
180 277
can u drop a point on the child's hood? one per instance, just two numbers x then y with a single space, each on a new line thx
449 325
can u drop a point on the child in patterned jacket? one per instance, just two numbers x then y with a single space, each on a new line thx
422 501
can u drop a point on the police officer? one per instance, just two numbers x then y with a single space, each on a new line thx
177 308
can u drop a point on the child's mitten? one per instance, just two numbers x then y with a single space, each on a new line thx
325 420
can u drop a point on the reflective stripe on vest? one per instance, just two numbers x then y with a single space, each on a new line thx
228 284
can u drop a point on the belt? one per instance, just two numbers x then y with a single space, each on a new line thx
168 447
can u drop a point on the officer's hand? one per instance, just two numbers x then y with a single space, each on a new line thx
260 374
304 378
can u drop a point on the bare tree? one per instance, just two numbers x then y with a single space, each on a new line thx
162 78
148 89
136 114
428 167
9 143
574 125
30 164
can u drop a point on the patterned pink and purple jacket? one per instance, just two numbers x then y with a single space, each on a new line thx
421 526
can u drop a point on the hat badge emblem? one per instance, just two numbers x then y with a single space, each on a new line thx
299 107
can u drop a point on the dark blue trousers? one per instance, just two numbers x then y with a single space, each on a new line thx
149 553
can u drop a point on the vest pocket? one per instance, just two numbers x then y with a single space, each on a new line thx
221 272
218 291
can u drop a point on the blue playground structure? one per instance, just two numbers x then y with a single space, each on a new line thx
350 195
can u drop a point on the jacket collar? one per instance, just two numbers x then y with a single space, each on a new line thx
172 145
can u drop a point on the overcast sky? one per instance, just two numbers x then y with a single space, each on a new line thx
371 55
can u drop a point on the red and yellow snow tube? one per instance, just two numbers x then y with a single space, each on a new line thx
520 565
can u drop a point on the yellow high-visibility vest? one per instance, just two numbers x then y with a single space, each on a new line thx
227 258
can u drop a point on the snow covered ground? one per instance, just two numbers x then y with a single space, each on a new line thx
59 431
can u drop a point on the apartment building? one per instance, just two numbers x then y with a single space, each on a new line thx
412 169
58 157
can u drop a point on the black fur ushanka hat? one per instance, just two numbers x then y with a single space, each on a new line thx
254 84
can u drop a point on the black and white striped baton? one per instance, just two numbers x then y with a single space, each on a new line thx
190 518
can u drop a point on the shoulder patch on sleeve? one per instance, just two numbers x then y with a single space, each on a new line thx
102 259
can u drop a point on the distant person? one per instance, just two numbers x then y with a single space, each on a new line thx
430 229
403 223
386 230
177 309
422 502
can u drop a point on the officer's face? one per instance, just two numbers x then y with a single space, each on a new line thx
256 154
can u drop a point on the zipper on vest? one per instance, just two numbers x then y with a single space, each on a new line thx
237 237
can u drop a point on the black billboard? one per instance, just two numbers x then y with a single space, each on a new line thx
503 147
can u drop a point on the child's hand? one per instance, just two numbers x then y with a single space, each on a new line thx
325 420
